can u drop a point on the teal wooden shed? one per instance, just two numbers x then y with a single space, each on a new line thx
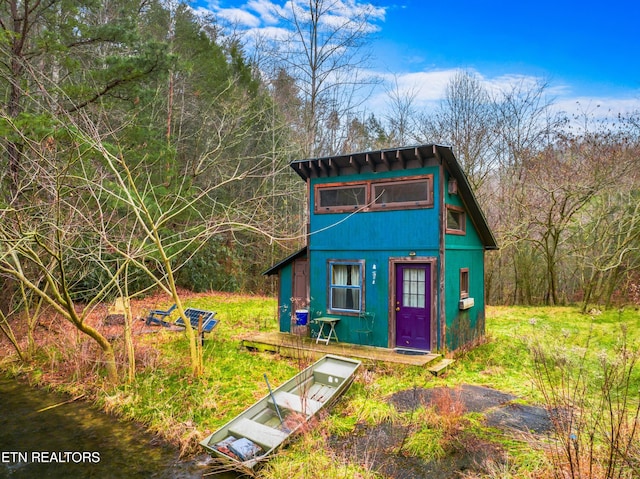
395 251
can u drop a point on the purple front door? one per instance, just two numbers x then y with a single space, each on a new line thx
413 306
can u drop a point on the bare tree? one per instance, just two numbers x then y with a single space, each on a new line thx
326 54
561 184
524 125
401 115
467 120
43 241
606 244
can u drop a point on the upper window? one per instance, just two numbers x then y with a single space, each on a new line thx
402 193
405 192
345 286
456 220
340 198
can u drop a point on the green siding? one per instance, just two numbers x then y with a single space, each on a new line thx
372 236
402 230
463 251
463 326
284 297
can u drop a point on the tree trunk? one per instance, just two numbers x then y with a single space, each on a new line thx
105 345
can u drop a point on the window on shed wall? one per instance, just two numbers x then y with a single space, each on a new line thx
403 194
413 287
394 193
456 220
340 198
464 283
345 286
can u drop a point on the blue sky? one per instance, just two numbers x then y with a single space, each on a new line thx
588 52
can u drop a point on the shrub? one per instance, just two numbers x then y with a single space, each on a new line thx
592 398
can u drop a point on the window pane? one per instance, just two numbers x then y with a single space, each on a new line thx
401 192
455 220
452 220
346 286
464 283
345 274
347 196
413 288
345 298
339 275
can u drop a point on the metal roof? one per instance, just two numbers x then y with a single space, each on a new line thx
276 267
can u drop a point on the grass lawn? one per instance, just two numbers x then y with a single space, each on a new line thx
166 398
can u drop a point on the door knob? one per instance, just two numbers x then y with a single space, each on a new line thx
398 309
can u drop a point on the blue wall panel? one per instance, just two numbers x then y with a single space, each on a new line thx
376 236
376 295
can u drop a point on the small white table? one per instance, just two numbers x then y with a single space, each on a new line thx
332 329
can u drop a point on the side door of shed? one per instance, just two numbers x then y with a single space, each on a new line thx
300 293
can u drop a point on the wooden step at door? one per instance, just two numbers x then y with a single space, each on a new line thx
441 366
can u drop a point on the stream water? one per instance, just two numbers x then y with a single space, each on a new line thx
75 440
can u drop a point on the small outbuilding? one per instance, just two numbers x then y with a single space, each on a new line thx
395 251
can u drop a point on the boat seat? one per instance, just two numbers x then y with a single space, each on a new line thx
264 436
320 392
332 374
293 402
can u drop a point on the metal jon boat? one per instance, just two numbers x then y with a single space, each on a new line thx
261 429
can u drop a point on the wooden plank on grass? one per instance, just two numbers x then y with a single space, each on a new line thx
441 367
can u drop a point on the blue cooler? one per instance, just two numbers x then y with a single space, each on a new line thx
302 315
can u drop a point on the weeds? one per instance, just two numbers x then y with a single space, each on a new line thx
164 397
426 443
308 457
371 411
435 426
592 399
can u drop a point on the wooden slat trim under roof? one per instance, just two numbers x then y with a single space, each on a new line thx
374 161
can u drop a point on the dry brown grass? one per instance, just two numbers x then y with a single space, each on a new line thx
69 360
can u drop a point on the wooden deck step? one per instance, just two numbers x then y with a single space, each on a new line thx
297 346
441 366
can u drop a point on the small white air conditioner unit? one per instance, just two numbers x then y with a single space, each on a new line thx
466 303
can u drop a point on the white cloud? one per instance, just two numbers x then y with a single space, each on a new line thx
269 12
238 17
259 13
268 33
598 107
429 88
262 21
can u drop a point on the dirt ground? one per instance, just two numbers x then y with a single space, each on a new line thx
379 448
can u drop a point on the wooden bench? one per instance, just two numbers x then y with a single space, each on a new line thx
293 402
264 436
